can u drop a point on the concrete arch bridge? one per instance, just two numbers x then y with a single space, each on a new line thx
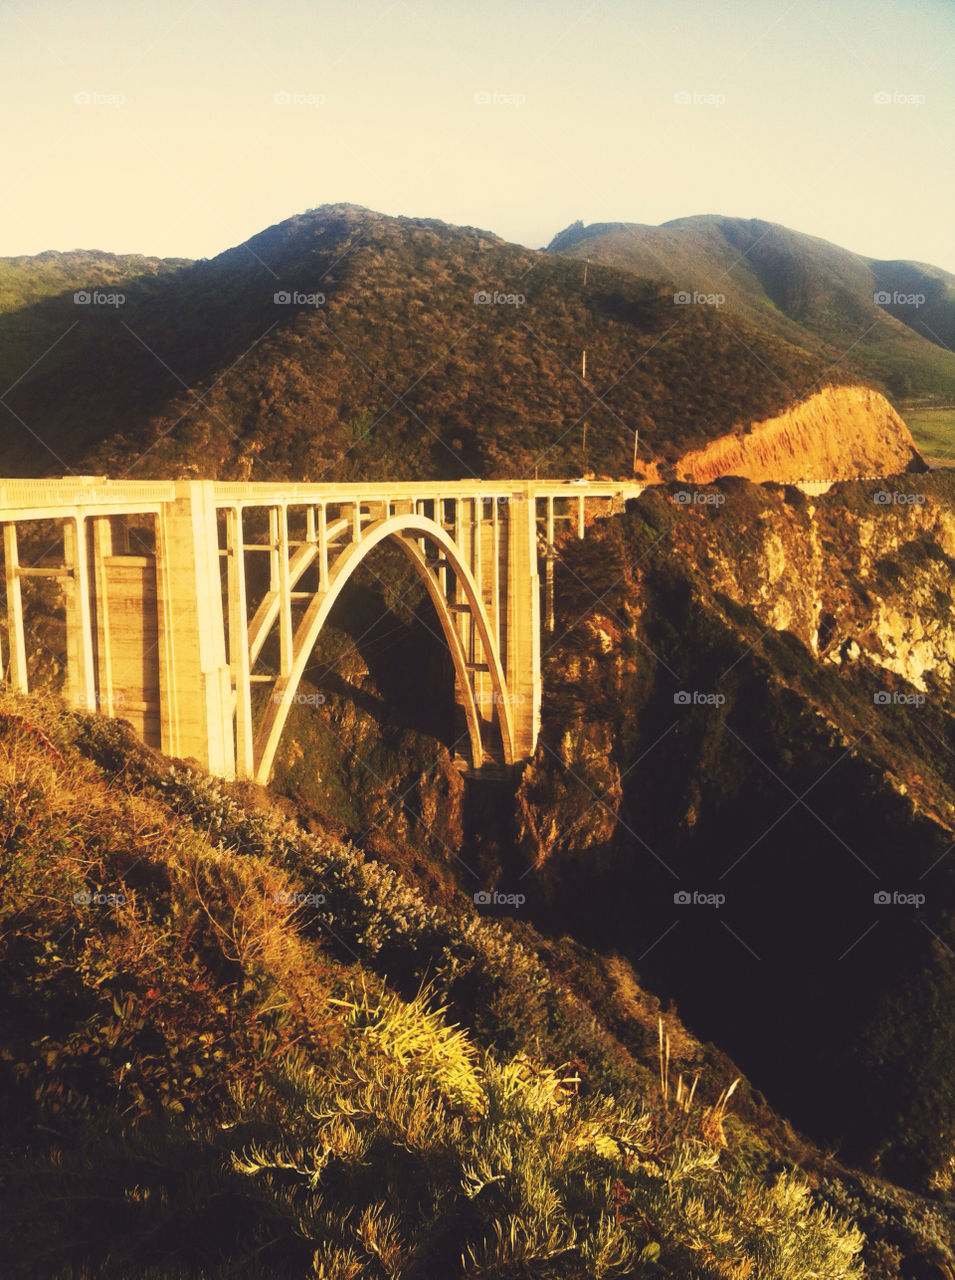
161 627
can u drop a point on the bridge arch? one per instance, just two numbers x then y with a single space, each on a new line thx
405 531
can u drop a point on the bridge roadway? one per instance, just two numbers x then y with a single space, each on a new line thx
172 613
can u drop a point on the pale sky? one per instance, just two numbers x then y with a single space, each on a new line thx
208 120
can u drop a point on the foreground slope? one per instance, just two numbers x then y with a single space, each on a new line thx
215 1062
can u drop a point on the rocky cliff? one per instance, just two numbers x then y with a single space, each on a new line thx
838 433
861 576
748 750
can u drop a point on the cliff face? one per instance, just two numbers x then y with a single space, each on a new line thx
838 433
747 736
860 576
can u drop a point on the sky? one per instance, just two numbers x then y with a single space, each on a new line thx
181 129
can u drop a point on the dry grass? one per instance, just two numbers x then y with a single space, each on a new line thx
683 1121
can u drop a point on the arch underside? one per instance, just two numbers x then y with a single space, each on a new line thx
407 532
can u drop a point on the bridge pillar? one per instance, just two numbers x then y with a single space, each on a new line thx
80 661
195 684
16 630
521 630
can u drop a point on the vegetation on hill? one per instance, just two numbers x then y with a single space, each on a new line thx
25 281
386 365
934 317
382 361
857 310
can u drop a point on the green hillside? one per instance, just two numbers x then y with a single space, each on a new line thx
387 364
800 288
26 280
934 317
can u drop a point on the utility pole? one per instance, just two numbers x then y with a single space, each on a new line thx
583 377
636 435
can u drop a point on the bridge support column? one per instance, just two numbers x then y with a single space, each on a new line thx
194 674
16 633
522 623
102 550
80 669
549 566
239 644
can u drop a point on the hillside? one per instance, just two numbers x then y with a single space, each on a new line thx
385 365
799 288
215 1030
935 317
25 281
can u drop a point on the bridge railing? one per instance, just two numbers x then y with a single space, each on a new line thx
83 490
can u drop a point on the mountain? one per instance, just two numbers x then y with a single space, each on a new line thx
892 323
397 345
25 281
